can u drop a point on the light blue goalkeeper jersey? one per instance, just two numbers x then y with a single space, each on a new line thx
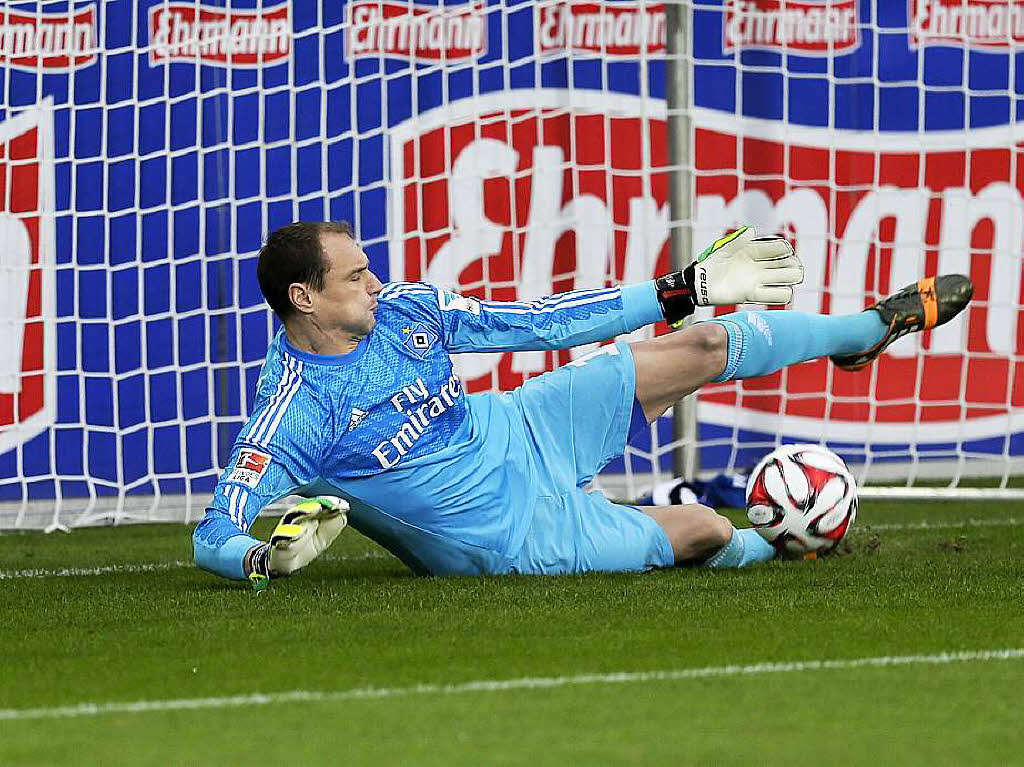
389 427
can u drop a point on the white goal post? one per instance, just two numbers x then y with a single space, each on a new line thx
507 149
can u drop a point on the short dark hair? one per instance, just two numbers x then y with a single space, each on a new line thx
294 253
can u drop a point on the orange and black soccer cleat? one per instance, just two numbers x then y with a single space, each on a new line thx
924 305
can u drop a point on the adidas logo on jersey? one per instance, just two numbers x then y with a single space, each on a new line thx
356 418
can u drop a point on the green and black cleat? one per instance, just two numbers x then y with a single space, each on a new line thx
924 305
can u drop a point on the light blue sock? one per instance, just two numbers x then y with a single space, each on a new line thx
761 343
746 547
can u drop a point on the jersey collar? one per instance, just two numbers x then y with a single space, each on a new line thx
323 359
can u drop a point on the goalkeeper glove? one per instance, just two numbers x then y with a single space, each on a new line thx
739 268
303 534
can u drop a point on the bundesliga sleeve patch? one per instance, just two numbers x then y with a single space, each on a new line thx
250 467
453 302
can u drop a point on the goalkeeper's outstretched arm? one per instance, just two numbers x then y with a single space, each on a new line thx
222 547
738 268
221 541
305 531
266 464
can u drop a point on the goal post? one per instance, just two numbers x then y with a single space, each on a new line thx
507 149
678 102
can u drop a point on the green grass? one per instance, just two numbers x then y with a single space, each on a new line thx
357 619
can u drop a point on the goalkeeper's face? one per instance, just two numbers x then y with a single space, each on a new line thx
348 302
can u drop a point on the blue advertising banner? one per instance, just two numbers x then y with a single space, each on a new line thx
511 149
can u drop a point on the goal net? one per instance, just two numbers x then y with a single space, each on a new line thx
883 138
508 150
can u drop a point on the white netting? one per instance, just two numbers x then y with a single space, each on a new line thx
883 138
509 149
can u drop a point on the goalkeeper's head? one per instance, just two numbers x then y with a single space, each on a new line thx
318 281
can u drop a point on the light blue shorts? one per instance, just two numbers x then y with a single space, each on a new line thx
581 532
574 420
580 416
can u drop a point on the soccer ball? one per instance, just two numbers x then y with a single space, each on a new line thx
802 499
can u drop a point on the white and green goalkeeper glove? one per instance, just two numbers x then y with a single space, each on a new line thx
738 268
304 533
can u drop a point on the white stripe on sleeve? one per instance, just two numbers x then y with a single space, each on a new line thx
282 388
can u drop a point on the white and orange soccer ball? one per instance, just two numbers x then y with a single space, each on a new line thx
802 499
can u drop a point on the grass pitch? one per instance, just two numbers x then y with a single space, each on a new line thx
356 661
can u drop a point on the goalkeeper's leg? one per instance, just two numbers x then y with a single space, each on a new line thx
750 344
699 535
741 345
757 343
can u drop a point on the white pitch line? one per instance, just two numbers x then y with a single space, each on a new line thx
150 567
500 685
1008 522
78 572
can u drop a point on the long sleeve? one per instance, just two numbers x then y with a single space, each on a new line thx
252 480
557 322
275 455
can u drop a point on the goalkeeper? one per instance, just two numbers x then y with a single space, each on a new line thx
358 408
